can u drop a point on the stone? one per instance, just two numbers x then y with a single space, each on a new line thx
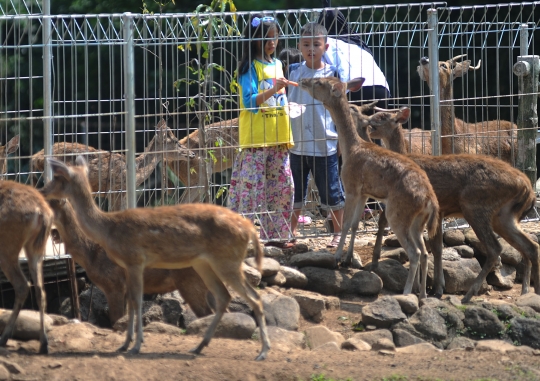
281 311
383 312
403 338
322 259
232 325
392 273
430 323
293 277
383 344
320 335
365 283
312 305
529 300
278 279
158 327
419 348
482 322
326 282
453 237
269 266
27 325
408 303
355 344
284 340
371 337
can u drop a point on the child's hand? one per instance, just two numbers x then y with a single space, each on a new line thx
280 84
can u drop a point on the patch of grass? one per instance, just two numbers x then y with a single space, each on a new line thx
322 377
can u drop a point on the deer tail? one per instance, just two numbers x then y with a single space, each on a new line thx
259 253
433 221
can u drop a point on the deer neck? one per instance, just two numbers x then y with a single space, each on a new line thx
447 109
348 137
92 221
396 141
75 241
146 162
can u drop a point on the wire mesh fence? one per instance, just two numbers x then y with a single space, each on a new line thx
77 102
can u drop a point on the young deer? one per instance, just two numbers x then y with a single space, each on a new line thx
108 170
25 222
211 239
495 137
489 193
111 278
9 148
372 171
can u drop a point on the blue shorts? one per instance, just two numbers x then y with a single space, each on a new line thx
325 171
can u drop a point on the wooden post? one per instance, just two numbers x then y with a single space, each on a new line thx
527 69
74 297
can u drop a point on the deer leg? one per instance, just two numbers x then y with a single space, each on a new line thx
421 277
14 274
129 330
35 266
508 228
135 287
352 208
482 228
404 236
436 249
221 295
244 289
193 290
354 229
383 223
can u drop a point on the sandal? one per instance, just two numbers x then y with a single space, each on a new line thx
334 242
280 245
304 220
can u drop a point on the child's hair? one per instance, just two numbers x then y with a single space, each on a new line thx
313 29
290 56
254 33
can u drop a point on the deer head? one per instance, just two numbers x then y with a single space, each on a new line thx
329 89
168 143
384 121
448 70
9 148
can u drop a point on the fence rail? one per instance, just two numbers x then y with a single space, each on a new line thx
89 90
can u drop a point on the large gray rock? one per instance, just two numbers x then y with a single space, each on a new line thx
483 323
453 237
509 255
404 338
269 266
383 313
27 325
503 277
430 323
365 283
232 325
172 310
408 303
326 282
319 335
158 327
396 253
293 277
99 314
525 331
531 300
464 251
461 342
284 340
312 305
460 275
323 259
281 311
393 274
371 337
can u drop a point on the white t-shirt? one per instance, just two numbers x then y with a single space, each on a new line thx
353 62
314 132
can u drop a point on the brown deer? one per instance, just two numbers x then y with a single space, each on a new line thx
372 171
111 278
25 222
107 170
211 239
495 137
221 144
6 150
489 193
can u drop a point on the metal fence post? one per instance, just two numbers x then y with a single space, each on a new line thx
527 69
433 51
129 102
47 87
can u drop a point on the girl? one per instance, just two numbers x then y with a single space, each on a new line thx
261 183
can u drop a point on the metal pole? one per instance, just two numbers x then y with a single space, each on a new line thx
129 102
433 51
47 87
524 40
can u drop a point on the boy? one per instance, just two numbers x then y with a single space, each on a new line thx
314 134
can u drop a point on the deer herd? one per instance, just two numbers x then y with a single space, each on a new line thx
199 248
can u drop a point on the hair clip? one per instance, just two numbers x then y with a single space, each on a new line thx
256 21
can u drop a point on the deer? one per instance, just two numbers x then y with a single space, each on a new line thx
25 222
222 145
111 278
495 137
489 193
6 150
210 238
108 170
372 171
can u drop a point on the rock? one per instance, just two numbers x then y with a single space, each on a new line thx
4 373
482 322
171 309
326 282
322 259
27 325
408 303
525 331
430 323
509 255
252 275
502 277
531 300
464 251
312 305
392 241
450 254
383 344
232 325
453 237
355 344
158 327
269 266
392 273
73 337
320 335
284 340
277 279
461 342
365 283
494 346
396 253
281 311
293 277
403 338
372 337
460 275
383 312
11 367
328 347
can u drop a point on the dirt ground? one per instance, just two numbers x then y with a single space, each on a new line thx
165 357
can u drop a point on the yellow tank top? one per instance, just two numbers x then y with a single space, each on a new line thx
268 125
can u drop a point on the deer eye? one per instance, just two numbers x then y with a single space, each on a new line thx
444 66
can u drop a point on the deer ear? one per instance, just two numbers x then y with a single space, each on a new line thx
13 144
461 69
403 115
337 89
58 168
355 84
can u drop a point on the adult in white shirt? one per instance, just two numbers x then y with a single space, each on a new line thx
353 58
